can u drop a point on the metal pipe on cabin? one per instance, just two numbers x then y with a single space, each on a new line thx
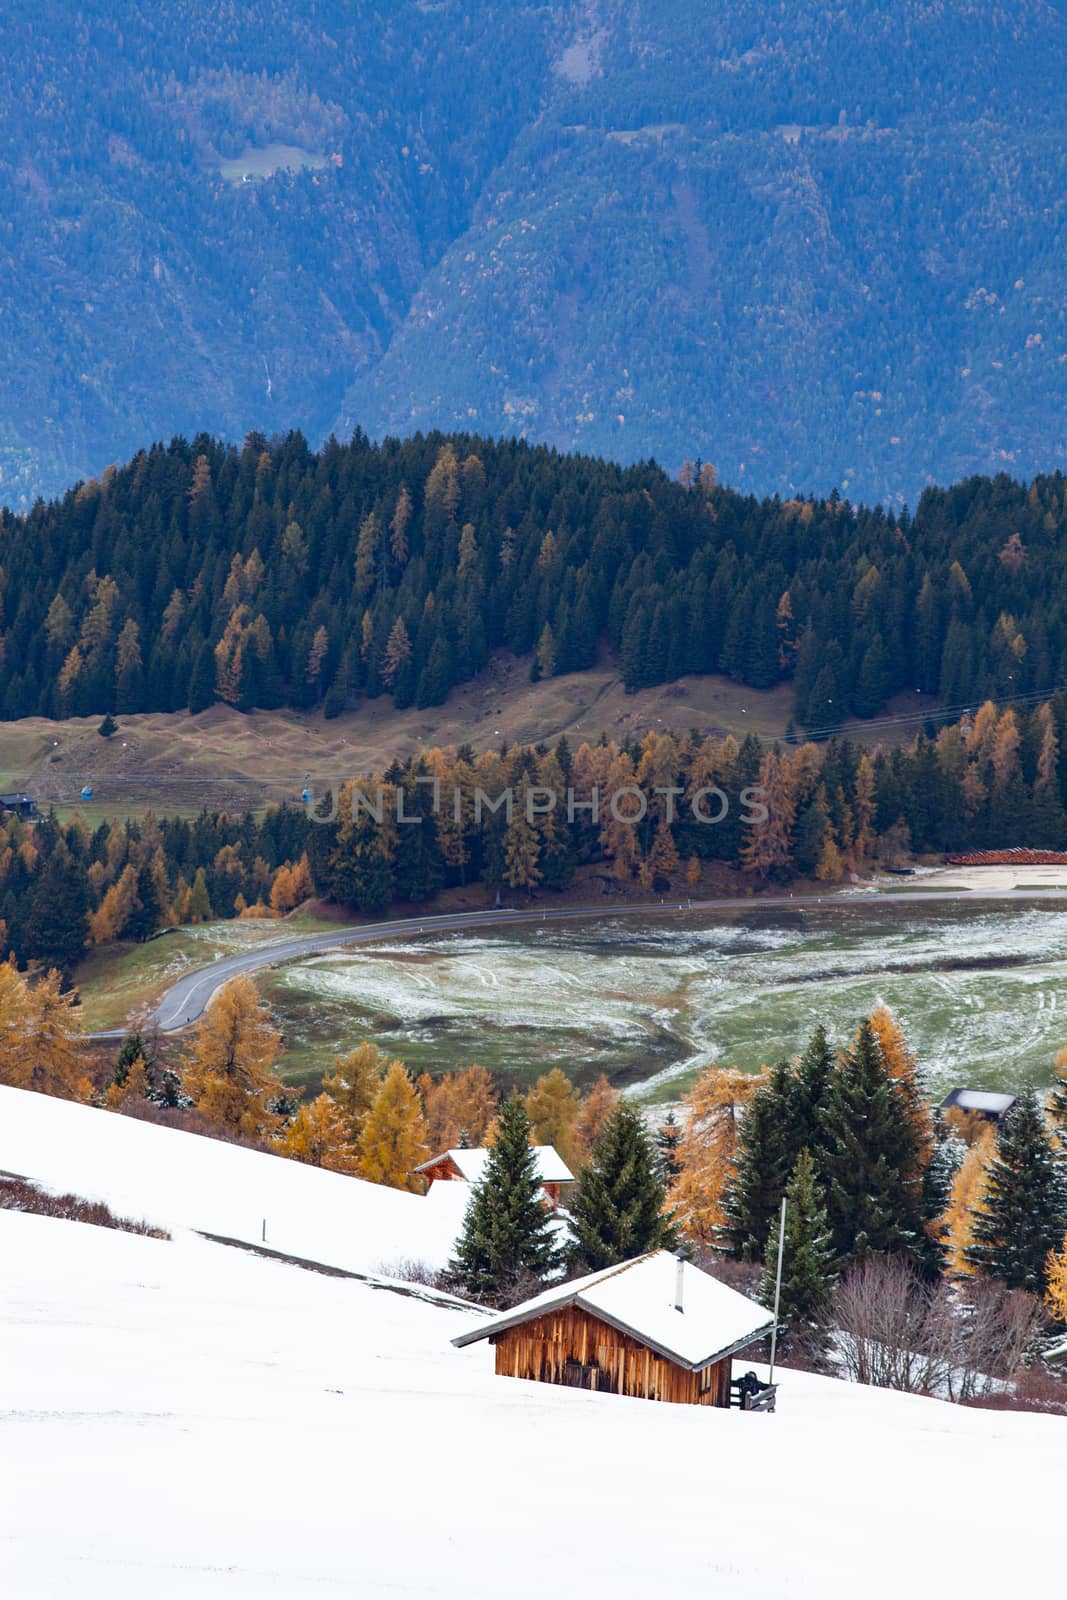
679 1272
777 1289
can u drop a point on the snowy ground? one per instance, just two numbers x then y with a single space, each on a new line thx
185 1419
993 879
180 1180
181 1419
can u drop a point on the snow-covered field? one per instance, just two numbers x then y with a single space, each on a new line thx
181 1419
184 1419
178 1180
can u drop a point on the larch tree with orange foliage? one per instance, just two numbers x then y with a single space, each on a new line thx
229 1070
354 1084
318 1136
394 1135
132 1087
553 1105
40 1037
459 1108
707 1150
965 1201
597 1107
903 1068
1056 1293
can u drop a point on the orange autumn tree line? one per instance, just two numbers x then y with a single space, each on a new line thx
372 1119
122 911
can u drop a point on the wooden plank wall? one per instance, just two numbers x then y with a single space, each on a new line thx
569 1346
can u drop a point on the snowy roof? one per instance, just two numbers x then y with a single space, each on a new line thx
979 1100
551 1168
638 1298
1057 1350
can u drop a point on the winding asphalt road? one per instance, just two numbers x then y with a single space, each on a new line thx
186 1001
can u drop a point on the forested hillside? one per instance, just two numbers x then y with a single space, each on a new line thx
272 575
818 245
999 779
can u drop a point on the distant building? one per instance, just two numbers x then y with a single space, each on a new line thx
654 1328
467 1166
22 805
982 1103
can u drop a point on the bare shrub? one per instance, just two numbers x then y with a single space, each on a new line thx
1033 1388
407 1270
892 1330
996 1330
17 1195
888 1327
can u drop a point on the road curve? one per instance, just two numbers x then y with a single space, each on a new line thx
186 1001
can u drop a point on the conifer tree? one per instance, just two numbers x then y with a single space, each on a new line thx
783 1120
808 1090
754 1196
1023 1212
133 1051
59 917
133 1086
868 1162
393 1141
553 1105
618 1209
667 1138
199 900
808 1272
507 1237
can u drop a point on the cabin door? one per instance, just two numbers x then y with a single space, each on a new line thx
585 1375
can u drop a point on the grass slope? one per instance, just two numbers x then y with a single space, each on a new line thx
174 763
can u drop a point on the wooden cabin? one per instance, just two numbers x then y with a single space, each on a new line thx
655 1328
980 1103
20 805
468 1166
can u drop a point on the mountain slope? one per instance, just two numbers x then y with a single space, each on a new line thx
817 245
184 1420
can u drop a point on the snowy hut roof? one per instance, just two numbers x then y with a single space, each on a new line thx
551 1168
994 1105
638 1298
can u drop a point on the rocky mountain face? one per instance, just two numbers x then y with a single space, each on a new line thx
818 245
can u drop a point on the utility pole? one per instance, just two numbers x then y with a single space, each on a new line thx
777 1288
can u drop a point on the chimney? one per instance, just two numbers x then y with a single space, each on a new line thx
679 1269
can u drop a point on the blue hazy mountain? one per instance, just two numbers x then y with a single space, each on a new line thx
814 244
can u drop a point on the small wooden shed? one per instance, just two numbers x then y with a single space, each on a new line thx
982 1103
468 1166
654 1328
